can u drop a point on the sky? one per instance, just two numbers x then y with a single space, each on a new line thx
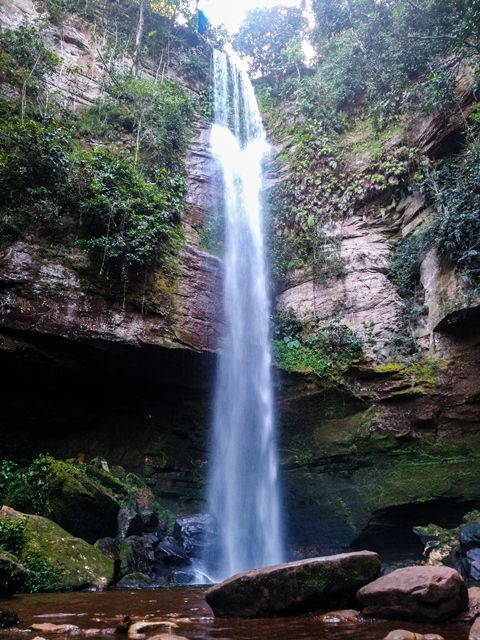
232 12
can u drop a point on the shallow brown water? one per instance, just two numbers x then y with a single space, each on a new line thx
187 609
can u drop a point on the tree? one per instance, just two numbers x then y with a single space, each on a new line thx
272 38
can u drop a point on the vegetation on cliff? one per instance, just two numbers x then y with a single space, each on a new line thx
111 177
346 122
306 346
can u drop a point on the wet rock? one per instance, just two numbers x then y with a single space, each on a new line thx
440 544
109 548
423 593
171 553
64 629
474 633
192 532
295 587
124 625
12 575
137 630
134 581
403 634
473 564
78 564
8 619
470 535
346 616
137 554
135 521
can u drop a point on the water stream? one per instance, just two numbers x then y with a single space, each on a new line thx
243 487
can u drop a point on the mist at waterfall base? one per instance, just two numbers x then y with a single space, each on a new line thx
243 495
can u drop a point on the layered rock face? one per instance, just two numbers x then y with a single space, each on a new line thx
129 377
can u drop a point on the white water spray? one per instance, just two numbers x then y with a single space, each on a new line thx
243 489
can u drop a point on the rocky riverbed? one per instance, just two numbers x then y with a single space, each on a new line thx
184 612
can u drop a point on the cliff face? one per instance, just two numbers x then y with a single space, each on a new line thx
127 375
120 373
42 285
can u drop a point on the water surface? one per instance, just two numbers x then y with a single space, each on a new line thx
187 609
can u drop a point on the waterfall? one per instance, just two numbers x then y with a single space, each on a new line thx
243 487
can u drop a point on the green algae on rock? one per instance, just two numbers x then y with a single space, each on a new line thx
73 562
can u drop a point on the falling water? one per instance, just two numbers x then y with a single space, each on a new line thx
243 489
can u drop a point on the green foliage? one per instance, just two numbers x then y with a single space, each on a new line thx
42 576
34 167
28 490
272 38
128 220
405 261
453 188
327 350
8 469
156 114
124 217
375 49
12 536
25 60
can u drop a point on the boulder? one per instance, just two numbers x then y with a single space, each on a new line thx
63 629
80 503
295 587
423 593
137 554
403 634
137 517
474 633
134 581
13 575
109 548
473 564
193 532
346 616
8 619
170 553
470 535
136 631
76 564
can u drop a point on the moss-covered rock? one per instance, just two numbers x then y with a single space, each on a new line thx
83 505
55 560
295 587
12 575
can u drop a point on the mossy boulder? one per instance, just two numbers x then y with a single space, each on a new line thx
134 581
294 587
81 503
13 575
54 559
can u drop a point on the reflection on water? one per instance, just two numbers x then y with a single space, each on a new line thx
192 617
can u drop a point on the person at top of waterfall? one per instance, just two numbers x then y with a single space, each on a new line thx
203 21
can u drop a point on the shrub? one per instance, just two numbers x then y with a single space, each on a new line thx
327 350
34 167
12 536
127 219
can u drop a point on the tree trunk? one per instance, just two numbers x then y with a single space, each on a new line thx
139 37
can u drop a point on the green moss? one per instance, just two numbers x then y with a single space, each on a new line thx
56 560
389 367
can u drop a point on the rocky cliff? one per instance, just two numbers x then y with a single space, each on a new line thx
99 369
